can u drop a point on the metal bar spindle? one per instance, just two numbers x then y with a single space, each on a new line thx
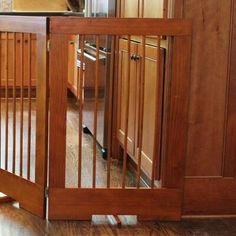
7 105
80 85
110 111
95 112
155 145
29 107
125 155
141 111
14 107
21 103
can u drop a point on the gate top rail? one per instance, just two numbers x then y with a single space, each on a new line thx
23 24
119 26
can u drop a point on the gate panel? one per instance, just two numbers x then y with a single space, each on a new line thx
23 100
97 190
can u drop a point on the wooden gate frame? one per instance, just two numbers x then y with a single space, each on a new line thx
82 203
31 196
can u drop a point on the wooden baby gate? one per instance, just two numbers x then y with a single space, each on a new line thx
160 199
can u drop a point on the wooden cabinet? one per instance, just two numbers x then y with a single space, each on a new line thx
124 62
152 84
153 9
72 65
143 8
130 8
22 51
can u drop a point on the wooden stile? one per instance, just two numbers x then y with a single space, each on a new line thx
80 89
14 107
29 108
21 102
110 112
141 107
126 117
157 125
95 112
7 105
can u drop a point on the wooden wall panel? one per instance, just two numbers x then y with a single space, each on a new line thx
211 153
211 27
210 196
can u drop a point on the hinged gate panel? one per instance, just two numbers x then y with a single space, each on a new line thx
94 189
24 110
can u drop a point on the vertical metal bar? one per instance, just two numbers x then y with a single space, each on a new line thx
141 110
29 107
81 104
156 147
7 105
126 117
14 107
21 102
110 111
95 112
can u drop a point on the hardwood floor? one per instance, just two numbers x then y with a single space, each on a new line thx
17 222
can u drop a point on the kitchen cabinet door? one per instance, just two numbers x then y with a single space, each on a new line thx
153 86
153 8
22 51
130 8
122 95
72 64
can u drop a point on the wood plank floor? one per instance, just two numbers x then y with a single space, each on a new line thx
17 222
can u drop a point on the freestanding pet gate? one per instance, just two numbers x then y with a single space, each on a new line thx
159 200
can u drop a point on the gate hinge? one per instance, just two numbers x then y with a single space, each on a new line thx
48 45
46 192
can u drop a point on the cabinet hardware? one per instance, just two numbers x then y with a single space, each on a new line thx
48 45
133 57
136 58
